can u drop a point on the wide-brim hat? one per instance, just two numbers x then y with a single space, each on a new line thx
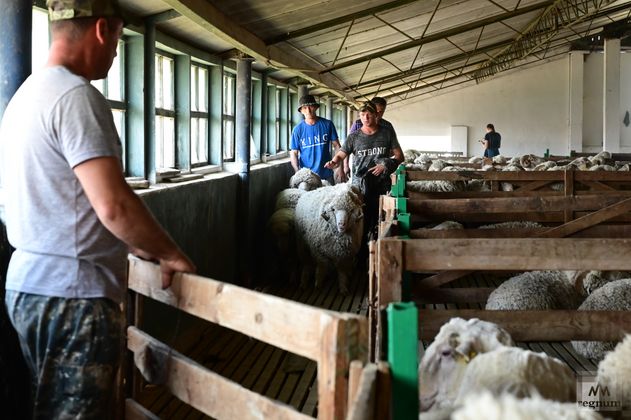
307 100
74 9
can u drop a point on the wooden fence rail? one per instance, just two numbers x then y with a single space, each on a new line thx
331 339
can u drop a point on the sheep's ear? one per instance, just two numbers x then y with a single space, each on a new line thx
324 216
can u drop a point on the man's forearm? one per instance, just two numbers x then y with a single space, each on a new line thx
293 158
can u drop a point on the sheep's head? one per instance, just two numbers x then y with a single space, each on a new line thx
445 360
343 218
305 179
343 210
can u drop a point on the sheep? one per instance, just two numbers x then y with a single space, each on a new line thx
499 159
438 165
530 161
288 198
586 282
614 296
512 225
485 406
305 179
434 186
522 373
476 160
545 166
281 227
478 185
445 360
614 372
535 290
582 163
329 227
448 225
423 159
514 161
602 158
607 168
409 155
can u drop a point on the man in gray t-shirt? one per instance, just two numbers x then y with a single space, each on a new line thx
72 218
376 154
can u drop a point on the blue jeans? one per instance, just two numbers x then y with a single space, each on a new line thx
73 349
491 152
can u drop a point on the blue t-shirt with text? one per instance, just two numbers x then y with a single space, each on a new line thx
314 144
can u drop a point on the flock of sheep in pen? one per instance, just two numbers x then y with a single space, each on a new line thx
472 369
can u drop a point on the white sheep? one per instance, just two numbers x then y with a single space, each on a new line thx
409 155
288 198
281 227
448 225
535 290
329 228
478 185
607 168
435 186
485 406
614 296
445 360
530 161
423 159
614 372
499 160
522 373
586 282
545 166
602 158
438 165
525 224
305 179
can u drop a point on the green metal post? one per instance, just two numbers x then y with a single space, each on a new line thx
398 188
403 359
403 219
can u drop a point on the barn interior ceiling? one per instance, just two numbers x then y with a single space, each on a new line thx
400 49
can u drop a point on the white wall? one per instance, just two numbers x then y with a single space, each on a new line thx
593 102
529 108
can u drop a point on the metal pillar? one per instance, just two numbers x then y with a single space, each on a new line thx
15 64
575 141
341 131
150 99
329 108
16 21
611 96
242 160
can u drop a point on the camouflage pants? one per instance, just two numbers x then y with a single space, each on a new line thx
73 349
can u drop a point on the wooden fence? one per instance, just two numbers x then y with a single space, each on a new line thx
331 339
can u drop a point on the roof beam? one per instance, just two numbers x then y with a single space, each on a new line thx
212 20
560 15
445 61
337 21
440 35
468 77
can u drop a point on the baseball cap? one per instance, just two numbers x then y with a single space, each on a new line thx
74 9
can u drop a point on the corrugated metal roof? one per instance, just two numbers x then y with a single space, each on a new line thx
399 49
